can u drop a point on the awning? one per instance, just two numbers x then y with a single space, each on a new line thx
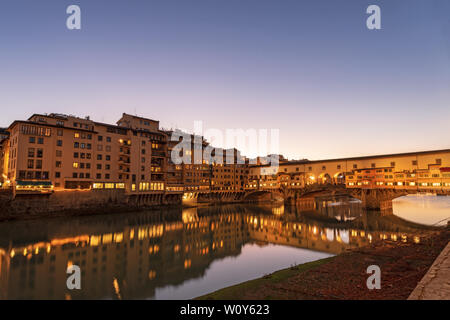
33 183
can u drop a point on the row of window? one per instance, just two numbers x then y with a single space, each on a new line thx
82 135
32 152
373 165
33 140
33 175
100 138
412 184
152 186
32 164
82 145
36 131
107 185
87 175
82 155
87 165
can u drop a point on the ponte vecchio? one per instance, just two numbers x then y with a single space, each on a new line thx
375 180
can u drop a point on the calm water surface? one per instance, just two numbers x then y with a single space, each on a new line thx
426 209
184 253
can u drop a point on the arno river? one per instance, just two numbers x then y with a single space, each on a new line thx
185 253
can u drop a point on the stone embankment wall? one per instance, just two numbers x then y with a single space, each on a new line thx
67 203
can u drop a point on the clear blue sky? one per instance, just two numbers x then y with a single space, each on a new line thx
310 68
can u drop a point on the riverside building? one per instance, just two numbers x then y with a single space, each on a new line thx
56 152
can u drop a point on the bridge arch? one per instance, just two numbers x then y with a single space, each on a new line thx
324 178
339 178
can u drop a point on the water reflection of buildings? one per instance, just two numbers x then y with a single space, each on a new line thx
130 257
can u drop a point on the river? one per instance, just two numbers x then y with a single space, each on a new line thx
184 253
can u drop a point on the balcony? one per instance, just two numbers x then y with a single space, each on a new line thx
125 143
158 176
158 153
124 170
124 161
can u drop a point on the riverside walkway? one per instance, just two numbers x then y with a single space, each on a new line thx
435 285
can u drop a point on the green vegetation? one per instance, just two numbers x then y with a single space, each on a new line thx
238 291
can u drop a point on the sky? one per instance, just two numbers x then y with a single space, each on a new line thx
311 69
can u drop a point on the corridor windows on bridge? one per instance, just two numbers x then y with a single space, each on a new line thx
414 162
355 166
339 167
373 165
392 164
439 161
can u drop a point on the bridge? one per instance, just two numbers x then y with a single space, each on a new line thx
375 180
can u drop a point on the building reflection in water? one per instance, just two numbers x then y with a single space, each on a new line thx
129 256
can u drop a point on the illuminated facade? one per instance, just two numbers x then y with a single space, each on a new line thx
74 153
229 177
60 152
415 170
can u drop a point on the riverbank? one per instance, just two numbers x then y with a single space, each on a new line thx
402 266
96 202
